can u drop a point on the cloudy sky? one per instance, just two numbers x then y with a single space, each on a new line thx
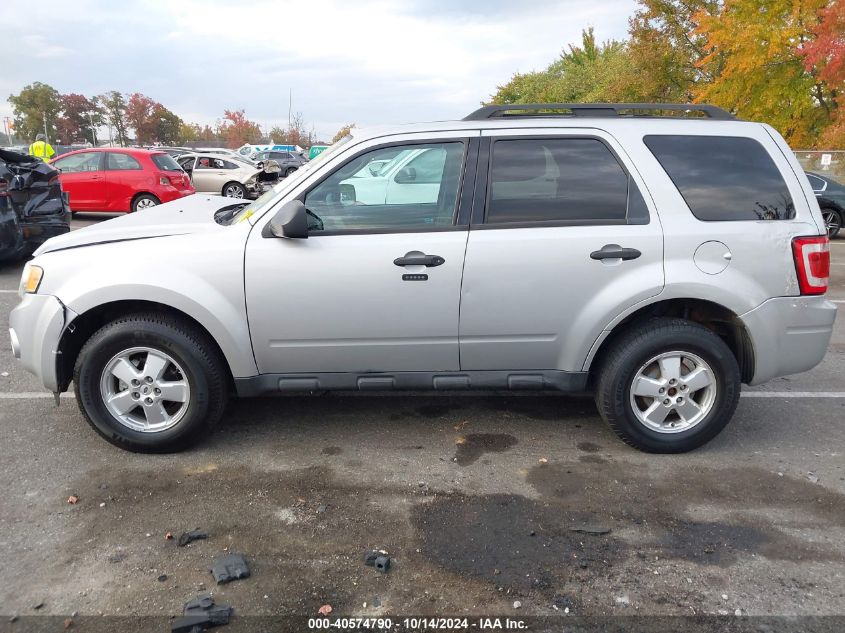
367 61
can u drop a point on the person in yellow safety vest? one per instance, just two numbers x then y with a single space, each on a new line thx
41 148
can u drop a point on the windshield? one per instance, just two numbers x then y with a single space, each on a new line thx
269 197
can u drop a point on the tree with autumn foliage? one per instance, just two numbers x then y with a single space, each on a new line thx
236 129
824 57
761 75
79 119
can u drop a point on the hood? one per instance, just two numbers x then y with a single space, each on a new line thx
191 214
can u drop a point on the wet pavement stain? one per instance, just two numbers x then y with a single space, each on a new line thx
510 540
592 459
474 445
657 513
588 447
332 450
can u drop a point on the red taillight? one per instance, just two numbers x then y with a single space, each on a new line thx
812 263
164 181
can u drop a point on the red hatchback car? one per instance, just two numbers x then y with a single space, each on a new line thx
120 179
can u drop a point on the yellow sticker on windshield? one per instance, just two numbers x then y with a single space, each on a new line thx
246 216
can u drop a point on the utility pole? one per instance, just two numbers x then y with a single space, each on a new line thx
46 138
8 132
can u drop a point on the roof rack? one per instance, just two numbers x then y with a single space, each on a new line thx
593 110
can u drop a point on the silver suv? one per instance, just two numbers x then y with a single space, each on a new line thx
658 255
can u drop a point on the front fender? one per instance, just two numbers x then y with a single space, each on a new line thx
202 278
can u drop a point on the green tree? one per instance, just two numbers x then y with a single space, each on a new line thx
114 107
665 48
168 125
34 106
587 73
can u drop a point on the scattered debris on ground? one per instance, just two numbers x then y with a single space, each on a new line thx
378 559
190 537
200 614
73 500
325 609
230 567
168 536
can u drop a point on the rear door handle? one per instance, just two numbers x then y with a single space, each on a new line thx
614 251
419 259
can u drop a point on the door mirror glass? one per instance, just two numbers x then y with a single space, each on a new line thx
291 221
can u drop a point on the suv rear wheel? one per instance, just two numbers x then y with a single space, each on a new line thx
150 383
668 386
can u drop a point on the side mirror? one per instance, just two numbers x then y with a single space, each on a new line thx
406 175
374 168
291 221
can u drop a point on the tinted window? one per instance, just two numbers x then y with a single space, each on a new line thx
86 161
121 161
554 180
187 163
166 162
396 195
724 177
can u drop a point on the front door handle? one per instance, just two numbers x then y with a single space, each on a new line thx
419 259
614 251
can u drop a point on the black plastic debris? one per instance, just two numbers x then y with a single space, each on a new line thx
230 567
190 537
370 558
200 614
590 529
382 564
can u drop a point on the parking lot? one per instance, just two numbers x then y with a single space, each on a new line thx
474 496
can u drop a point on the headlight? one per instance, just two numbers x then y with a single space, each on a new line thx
31 279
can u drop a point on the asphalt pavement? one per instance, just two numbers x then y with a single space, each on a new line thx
475 497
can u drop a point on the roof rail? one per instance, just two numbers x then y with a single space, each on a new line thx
593 110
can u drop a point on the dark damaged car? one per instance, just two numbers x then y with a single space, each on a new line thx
32 206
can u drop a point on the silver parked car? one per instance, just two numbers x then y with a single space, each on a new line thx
227 175
658 261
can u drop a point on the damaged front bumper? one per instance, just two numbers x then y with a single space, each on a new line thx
35 328
20 237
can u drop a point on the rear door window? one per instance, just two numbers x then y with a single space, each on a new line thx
561 181
724 178
118 161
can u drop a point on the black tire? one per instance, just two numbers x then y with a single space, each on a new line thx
833 221
192 349
230 187
139 202
289 171
636 347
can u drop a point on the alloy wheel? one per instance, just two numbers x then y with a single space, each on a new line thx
145 389
673 392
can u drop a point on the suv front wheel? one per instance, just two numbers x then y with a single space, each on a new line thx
150 383
668 386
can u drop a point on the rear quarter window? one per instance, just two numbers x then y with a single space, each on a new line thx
724 178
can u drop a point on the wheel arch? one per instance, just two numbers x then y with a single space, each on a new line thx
138 194
724 322
84 325
232 182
